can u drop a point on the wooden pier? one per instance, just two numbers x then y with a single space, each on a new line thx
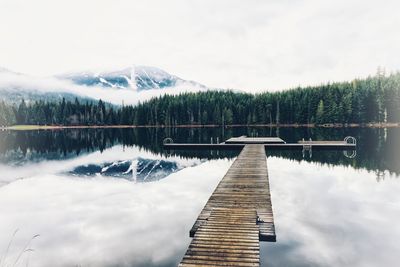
238 214
254 140
317 145
236 217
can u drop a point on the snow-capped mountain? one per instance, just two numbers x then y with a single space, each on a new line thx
134 78
128 85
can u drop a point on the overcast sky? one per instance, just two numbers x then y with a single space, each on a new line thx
250 45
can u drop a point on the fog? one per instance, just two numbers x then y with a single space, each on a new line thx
20 82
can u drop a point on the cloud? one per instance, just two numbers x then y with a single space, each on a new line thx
12 81
253 45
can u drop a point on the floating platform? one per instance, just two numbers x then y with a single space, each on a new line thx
317 145
270 142
254 140
236 217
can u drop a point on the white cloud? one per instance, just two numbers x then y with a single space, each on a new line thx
49 84
252 45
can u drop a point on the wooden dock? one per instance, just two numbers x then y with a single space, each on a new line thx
239 213
254 140
236 217
317 145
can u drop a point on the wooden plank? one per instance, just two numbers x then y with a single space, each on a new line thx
254 140
224 250
224 258
226 244
209 262
281 146
236 217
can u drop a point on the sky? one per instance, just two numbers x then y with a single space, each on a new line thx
252 45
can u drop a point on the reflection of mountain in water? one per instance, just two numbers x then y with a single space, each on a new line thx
140 170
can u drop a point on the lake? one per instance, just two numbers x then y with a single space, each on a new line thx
114 197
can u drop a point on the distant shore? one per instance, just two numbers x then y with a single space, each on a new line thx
326 125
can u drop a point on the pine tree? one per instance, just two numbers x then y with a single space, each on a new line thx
320 112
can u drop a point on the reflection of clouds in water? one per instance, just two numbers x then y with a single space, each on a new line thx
113 154
104 222
325 216
332 216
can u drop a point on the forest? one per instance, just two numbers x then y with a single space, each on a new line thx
375 99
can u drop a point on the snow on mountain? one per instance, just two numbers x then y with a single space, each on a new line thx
128 85
134 78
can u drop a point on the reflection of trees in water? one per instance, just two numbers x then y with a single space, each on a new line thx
377 149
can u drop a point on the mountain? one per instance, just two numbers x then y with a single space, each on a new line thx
133 78
128 85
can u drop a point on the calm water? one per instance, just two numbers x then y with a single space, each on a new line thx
116 198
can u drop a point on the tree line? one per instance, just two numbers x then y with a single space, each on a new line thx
374 99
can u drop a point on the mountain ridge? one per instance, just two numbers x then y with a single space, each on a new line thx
137 77
94 84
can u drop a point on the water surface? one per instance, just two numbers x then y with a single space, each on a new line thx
115 198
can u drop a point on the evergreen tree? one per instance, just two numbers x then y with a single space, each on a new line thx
319 117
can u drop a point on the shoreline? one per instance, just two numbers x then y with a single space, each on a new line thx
326 125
